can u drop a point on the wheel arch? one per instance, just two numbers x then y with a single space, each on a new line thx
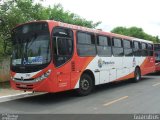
138 68
137 77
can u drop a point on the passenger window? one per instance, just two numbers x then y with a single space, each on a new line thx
150 50
137 48
144 51
104 46
127 44
86 44
117 47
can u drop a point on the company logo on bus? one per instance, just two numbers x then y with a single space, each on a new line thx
22 79
102 62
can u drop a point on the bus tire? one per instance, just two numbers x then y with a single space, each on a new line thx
137 74
86 85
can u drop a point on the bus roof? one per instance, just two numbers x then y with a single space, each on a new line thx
76 27
100 32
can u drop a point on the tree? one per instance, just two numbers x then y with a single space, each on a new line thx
15 12
135 32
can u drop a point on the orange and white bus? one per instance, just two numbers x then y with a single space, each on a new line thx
51 56
157 57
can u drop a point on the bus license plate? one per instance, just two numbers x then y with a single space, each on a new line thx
22 85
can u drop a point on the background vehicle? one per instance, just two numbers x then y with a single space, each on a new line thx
51 56
157 57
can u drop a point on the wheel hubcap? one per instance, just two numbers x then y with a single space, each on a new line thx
85 84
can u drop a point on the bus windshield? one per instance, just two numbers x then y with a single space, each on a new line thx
31 44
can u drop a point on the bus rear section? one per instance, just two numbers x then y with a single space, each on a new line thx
50 56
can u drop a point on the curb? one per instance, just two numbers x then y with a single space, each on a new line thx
18 96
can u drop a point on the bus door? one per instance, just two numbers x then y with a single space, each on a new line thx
62 52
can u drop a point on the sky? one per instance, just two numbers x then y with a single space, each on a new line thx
112 13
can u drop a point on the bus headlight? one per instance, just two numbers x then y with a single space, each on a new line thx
45 75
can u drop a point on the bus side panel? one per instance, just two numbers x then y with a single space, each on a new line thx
80 64
127 68
111 69
148 66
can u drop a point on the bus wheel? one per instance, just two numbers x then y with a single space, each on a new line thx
137 75
86 85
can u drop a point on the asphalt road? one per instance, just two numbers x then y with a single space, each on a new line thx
115 98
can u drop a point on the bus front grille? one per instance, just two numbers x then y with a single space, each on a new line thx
19 79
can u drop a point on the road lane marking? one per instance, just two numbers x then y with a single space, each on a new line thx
114 101
155 84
